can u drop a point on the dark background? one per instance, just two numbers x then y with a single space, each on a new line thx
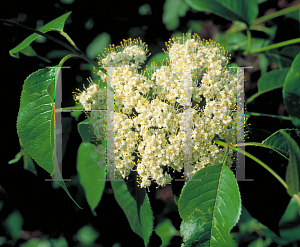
50 212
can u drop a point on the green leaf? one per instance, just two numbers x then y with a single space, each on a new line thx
135 204
263 63
233 10
87 235
28 163
280 143
63 185
269 81
34 118
28 51
36 243
55 25
35 123
210 207
157 59
292 176
89 173
239 41
86 132
291 91
166 231
14 223
98 45
290 223
17 157
59 242
272 80
173 9
58 53
284 57
84 129
294 15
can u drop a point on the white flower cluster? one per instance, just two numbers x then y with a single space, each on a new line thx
149 115
131 52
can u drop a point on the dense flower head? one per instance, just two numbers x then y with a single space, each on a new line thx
129 52
149 115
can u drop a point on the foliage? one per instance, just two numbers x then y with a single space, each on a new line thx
210 203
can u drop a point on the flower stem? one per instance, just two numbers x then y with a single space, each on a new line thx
276 14
69 39
40 33
234 147
277 45
225 155
262 19
249 42
257 114
297 198
255 159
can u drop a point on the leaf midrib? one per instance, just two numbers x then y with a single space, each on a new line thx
214 207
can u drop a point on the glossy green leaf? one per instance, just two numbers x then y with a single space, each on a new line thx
272 80
280 143
135 204
269 81
291 91
34 118
292 176
89 174
233 10
55 25
35 123
173 9
210 207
